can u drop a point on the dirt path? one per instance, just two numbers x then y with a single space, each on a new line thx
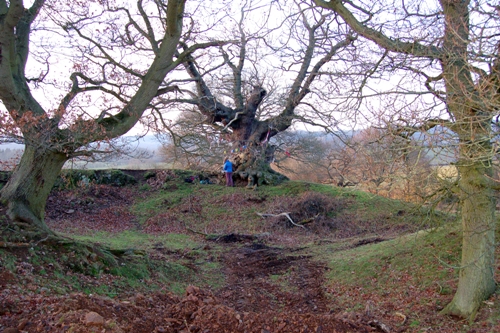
266 290
268 278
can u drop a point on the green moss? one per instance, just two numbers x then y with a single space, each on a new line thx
73 178
114 177
7 260
427 256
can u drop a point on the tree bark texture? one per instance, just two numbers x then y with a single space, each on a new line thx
253 164
472 125
30 184
476 277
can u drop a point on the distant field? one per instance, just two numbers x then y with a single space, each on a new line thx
127 165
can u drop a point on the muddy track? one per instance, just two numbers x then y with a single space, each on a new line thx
267 289
262 278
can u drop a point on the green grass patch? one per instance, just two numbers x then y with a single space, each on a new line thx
289 188
7 260
162 201
78 269
425 257
219 209
138 240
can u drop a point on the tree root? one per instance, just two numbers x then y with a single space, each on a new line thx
21 215
12 245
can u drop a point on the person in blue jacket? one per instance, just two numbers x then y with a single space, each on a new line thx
228 169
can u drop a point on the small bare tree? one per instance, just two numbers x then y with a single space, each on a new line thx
191 144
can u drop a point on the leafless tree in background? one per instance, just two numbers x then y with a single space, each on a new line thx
191 144
373 159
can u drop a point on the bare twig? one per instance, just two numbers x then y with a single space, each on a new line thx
281 214
309 220
399 314
41 240
196 232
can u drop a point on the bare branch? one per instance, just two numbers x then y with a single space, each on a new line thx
281 214
395 45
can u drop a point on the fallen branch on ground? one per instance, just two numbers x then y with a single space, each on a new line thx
197 232
309 220
281 214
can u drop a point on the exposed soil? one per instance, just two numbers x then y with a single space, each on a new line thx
266 289
249 288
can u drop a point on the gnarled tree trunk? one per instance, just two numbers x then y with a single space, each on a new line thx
241 116
252 163
27 190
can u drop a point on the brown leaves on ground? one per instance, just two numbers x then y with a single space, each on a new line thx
266 288
250 301
197 311
96 207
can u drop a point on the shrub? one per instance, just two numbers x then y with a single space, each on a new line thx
311 207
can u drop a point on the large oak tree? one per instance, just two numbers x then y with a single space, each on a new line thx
451 48
255 87
120 59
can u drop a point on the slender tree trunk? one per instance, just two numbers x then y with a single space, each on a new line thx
28 189
477 280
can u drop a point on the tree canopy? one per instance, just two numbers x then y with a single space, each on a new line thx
70 77
261 82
